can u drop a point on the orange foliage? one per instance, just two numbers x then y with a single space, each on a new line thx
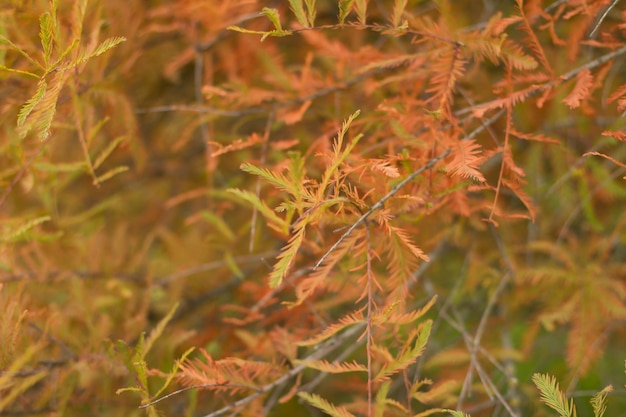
368 208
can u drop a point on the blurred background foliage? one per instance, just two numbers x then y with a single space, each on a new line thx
122 211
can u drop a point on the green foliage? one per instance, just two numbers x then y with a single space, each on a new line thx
554 398
319 402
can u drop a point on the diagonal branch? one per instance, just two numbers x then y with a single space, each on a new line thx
380 203
557 80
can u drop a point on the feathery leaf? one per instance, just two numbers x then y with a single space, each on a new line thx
46 35
348 320
297 7
28 107
581 91
408 356
273 221
319 402
333 367
345 7
552 396
466 160
287 257
598 401
273 16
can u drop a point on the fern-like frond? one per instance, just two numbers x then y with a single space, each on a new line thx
158 330
511 100
497 24
99 50
339 154
28 107
274 17
615 161
46 35
413 315
466 160
346 321
316 279
297 8
287 257
296 174
273 221
537 137
231 374
619 135
319 402
532 40
345 7
619 95
21 232
581 91
361 11
385 167
43 112
218 149
440 392
485 47
408 356
333 367
552 396
456 413
398 10
277 179
404 237
520 193
598 401
402 255
447 69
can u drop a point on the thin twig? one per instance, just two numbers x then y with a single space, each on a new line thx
478 337
469 341
602 17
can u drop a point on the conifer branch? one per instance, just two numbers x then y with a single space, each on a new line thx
322 351
536 89
380 203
